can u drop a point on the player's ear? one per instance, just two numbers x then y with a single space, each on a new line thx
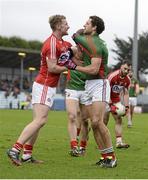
94 28
58 26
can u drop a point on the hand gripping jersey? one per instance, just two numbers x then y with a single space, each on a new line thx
117 85
52 48
93 46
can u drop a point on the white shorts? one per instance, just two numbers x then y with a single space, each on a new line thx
98 90
76 95
107 108
43 94
133 101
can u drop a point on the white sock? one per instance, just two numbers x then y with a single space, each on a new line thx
129 122
26 156
16 150
119 140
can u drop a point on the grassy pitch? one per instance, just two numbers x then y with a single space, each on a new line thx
53 146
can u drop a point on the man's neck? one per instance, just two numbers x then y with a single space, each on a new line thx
58 35
121 75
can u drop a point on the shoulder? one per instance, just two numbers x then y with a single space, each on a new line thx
135 81
102 42
101 45
128 80
50 40
67 43
113 74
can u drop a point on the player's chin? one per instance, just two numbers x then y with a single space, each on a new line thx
84 32
66 33
125 74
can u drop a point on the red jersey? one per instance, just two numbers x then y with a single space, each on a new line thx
117 84
52 48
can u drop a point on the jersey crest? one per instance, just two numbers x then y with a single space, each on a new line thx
117 88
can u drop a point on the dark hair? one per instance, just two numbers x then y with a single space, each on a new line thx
127 62
54 20
99 23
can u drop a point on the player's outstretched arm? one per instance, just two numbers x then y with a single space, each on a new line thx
53 67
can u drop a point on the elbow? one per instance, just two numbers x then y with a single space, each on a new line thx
94 71
52 69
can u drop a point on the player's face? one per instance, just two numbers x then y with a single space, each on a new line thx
64 27
125 69
88 29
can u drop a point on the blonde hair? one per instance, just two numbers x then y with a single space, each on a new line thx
54 20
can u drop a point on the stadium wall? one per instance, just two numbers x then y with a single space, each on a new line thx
23 102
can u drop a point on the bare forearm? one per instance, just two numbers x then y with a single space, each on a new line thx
53 67
126 99
93 68
57 69
137 89
88 69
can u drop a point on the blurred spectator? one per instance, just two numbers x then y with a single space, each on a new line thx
14 99
16 92
26 84
4 99
16 83
26 104
4 85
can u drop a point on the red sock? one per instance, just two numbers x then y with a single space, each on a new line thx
17 147
83 144
27 149
112 154
73 143
118 136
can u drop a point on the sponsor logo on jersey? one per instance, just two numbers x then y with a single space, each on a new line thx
117 88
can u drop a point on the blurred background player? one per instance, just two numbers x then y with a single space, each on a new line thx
133 92
44 89
119 82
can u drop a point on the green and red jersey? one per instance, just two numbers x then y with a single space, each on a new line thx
132 89
75 80
93 46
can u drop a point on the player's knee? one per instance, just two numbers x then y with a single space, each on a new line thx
97 125
118 120
41 122
72 117
85 122
105 121
94 125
